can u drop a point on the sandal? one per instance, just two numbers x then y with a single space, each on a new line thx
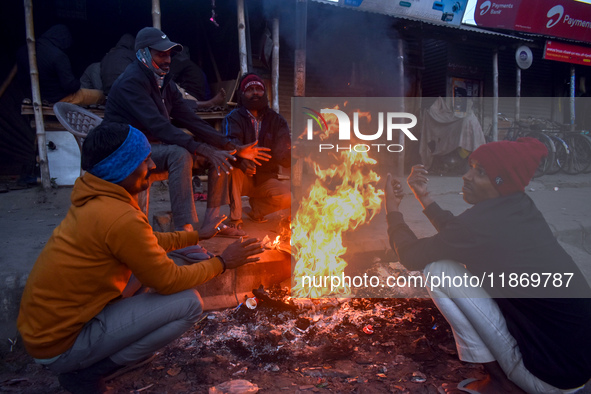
232 230
460 387
200 196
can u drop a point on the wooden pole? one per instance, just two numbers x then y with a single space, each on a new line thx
401 96
495 117
242 38
518 95
300 50
36 94
572 97
156 15
275 66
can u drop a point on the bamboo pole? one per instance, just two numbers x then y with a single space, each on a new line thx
275 66
495 117
8 80
242 38
36 95
301 15
156 14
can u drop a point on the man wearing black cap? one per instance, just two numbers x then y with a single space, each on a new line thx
515 300
144 97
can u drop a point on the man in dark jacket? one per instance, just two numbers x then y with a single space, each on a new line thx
192 82
56 79
144 97
116 61
516 301
253 121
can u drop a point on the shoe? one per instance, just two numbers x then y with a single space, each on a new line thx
232 230
200 196
256 219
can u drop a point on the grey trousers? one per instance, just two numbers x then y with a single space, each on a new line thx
180 164
131 329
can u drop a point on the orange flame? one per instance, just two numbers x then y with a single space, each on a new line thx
323 217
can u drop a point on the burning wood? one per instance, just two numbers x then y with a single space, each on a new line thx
343 197
270 244
282 241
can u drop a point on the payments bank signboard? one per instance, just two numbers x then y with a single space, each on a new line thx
557 18
436 11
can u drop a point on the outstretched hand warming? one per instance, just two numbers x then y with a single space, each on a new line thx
253 152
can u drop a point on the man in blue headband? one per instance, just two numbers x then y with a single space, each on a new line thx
144 97
75 316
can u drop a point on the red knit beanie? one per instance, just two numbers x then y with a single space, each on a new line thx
250 80
510 165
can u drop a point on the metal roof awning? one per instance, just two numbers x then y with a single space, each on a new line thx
386 7
562 19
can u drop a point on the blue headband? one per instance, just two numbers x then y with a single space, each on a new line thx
119 164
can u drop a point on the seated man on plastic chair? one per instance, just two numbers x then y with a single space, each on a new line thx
252 121
530 336
78 315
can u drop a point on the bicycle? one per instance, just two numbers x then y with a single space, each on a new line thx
523 129
573 148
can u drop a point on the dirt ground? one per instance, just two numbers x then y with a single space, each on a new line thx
358 345
361 345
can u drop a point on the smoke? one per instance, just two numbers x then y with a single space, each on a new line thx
351 53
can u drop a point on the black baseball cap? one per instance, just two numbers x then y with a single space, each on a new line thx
155 39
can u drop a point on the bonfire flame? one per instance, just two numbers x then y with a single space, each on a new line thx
271 244
342 198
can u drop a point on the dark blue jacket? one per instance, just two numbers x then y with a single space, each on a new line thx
116 61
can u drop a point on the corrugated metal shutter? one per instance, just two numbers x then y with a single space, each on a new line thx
435 61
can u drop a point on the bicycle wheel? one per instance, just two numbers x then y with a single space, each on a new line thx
579 159
560 157
547 141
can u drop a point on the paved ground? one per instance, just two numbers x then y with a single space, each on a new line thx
27 218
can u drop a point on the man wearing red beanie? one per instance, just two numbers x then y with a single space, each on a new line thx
516 301
252 121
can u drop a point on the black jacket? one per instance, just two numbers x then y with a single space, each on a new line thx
274 134
136 99
116 61
56 79
189 76
508 235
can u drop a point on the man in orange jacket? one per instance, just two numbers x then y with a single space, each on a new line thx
74 316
